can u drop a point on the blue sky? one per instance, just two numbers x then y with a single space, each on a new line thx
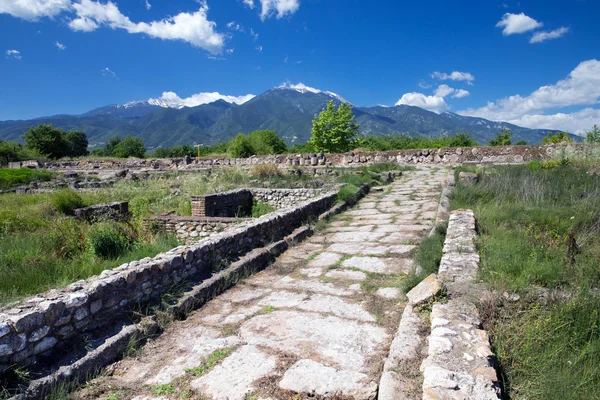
534 63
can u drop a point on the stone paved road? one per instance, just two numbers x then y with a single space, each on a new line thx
320 320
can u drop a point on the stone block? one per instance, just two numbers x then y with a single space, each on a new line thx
425 291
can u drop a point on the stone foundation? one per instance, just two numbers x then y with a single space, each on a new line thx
45 325
117 211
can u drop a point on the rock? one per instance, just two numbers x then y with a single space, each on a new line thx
425 291
4 329
46 344
308 376
388 293
28 322
39 333
468 178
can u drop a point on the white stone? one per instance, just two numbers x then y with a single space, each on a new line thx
246 294
425 291
441 331
337 306
438 377
336 341
39 333
325 259
311 272
233 378
347 274
468 357
377 264
308 376
438 345
283 299
388 293
437 322
4 329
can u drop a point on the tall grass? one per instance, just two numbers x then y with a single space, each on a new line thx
539 226
22 176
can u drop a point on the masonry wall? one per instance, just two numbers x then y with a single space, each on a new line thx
190 228
465 155
118 211
281 198
43 325
227 204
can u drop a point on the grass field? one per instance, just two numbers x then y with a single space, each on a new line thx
539 228
22 176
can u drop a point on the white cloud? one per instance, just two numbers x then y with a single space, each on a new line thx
33 10
460 93
278 7
235 26
424 85
454 76
147 4
432 103
249 3
576 122
253 34
171 99
107 72
517 23
443 91
581 87
285 60
193 28
540 37
59 45
229 51
259 49
16 54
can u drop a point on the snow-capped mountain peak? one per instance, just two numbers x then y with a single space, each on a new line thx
302 88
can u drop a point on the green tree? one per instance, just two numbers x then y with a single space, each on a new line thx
77 144
13 151
111 145
130 147
239 147
46 140
503 138
333 129
593 136
266 142
521 143
558 137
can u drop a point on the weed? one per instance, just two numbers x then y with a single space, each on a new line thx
22 176
164 389
260 208
267 310
212 360
66 201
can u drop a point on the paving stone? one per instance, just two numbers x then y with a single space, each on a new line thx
282 299
247 293
338 342
388 293
336 306
308 376
346 248
248 364
311 286
380 265
311 272
325 259
346 274
344 237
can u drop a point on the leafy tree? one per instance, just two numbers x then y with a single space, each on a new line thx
503 138
239 146
130 147
77 144
558 137
333 129
521 143
266 142
111 145
593 136
13 151
46 140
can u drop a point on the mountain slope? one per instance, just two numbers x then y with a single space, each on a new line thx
287 111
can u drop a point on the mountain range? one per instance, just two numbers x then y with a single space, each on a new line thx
287 111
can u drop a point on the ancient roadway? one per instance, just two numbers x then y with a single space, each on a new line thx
318 321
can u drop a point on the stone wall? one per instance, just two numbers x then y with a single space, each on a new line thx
281 198
227 204
194 228
43 326
465 155
118 211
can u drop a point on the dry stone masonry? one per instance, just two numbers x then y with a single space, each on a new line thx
43 325
460 363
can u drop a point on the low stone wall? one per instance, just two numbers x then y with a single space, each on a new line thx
45 325
464 155
186 228
281 198
118 211
227 204
460 360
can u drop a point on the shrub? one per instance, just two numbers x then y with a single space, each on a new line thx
108 241
265 171
266 142
503 138
260 208
139 206
65 201
130 147
349 194
239 147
